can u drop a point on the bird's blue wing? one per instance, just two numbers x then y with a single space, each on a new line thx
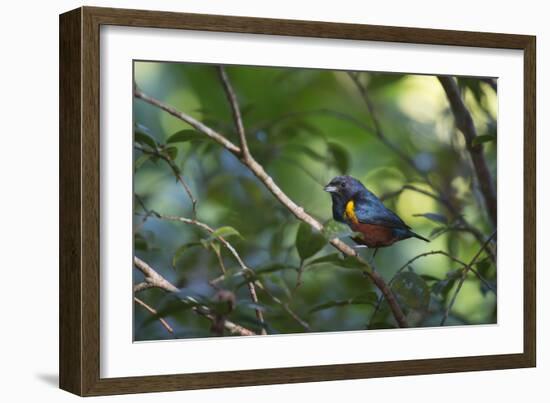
372 211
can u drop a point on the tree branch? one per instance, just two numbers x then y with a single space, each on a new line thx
155 313
156 280
201 127
153 278
296 210
237 118
465 123
144 285
177 173
378 127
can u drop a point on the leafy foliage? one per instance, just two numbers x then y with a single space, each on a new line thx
305 127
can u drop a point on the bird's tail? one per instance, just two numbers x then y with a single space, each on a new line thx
414 234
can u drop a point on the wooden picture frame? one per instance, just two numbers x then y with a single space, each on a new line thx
80 199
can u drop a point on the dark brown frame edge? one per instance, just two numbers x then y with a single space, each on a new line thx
79 200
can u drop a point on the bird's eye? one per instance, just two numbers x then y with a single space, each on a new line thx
343 185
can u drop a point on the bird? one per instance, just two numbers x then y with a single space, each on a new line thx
356 206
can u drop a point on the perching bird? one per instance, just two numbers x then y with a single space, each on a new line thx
363 212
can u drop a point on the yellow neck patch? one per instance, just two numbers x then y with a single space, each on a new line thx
349 213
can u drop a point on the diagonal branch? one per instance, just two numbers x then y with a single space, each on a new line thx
237 118
177 173
154 312
298 211
156 280
153 278
465 123
201 127
378 127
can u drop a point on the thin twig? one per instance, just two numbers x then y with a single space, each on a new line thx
175 171
462 279
155 313
285 306
232 98
465 123
220 259
377 126
214 135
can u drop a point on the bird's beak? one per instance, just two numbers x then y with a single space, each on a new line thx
330 189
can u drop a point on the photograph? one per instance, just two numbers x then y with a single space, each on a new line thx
272 200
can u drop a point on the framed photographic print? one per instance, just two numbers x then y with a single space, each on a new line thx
250 201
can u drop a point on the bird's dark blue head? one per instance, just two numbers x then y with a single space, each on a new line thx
342 189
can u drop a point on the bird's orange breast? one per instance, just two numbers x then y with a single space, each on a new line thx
375 236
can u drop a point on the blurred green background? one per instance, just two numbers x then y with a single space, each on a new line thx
305 127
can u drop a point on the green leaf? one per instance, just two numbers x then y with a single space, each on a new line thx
265 270
333 258
455 274
485 289
437 231
473 84
252 305
381 80
181 250
483 268
428 277
141 160
443 287
340 156
483 139
140 243
369 298
439 218
302 149
380 325
334 229
347 262
186 135
308 241
226 232
172 152
172 306
145 139
274 267
411 290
